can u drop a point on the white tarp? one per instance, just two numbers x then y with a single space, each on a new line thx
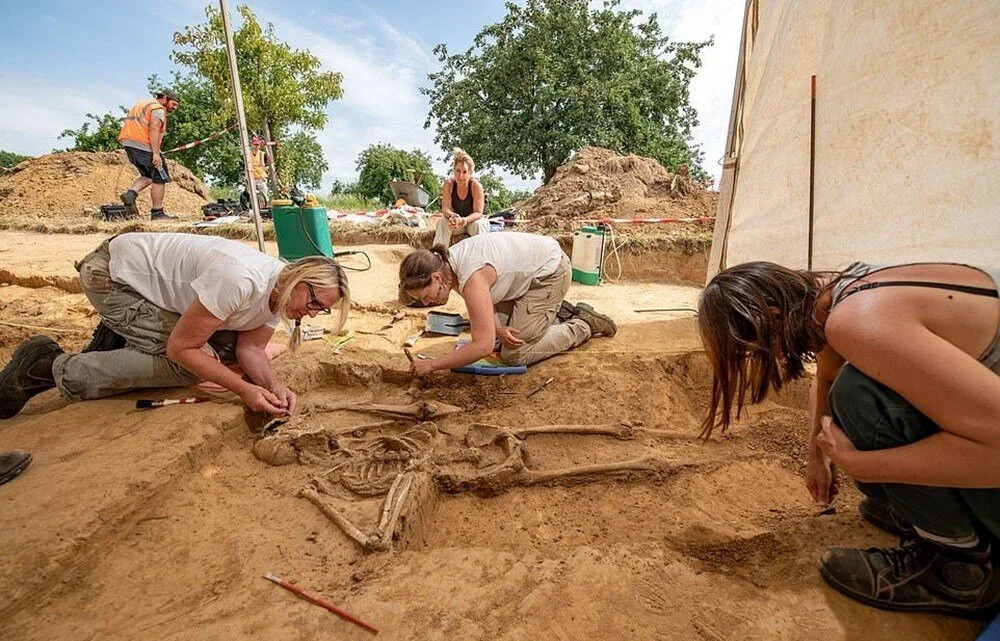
907 131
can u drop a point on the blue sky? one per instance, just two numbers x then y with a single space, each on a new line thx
60 60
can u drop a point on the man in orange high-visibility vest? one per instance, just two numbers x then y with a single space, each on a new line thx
141 135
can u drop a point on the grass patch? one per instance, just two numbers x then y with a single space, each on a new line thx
350 203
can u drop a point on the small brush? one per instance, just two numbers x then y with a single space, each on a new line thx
148 404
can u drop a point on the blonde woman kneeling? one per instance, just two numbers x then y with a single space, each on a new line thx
174 308
521 276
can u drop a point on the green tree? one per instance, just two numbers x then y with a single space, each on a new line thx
101 134
282 87
554 76
300 161
378 164
498 197
10 159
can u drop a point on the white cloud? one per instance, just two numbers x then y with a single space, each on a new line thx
34 113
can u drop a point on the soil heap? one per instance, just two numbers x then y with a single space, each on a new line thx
73 185
600 183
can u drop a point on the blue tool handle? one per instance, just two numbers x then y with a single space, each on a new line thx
487 370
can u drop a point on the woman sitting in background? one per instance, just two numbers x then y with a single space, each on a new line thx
906 400
462 202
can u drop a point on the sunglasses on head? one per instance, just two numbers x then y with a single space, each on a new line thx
313 304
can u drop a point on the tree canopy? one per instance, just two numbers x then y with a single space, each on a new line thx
380 163
97 133
10 159
281 86
554 76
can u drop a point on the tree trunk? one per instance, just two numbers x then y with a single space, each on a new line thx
548 172
269 154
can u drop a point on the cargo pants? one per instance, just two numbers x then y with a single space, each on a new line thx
534 314
144 326
875 417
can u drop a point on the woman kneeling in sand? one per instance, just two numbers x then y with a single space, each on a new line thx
906 400
174 308
523 277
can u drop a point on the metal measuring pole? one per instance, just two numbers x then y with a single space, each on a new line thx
241 118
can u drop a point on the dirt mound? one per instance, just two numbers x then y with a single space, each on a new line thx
600 183
74 184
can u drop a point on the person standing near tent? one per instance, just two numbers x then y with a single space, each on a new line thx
141 134
906 400
175 310
521 277
462 202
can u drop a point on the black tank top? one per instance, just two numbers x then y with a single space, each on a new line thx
462 207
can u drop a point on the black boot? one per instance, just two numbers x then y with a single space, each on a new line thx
28 373
104 340
128 199
600 324
566 311
12 463
917 576
159 214
883 516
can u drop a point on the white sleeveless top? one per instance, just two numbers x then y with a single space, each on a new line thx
518 258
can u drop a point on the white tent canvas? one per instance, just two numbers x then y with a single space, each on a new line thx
907 127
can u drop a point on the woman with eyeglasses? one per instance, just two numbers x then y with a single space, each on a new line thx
175 309
513 285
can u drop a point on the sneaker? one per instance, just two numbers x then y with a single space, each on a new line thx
128 198
566 311
917 576
18 383
600 325
883 516
104 340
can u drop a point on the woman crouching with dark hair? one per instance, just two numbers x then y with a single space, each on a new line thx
906 400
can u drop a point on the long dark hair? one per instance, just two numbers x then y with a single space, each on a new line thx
758 324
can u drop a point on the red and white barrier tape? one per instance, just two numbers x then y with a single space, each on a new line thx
191 145
620 221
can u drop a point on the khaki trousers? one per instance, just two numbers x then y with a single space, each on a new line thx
534 314
145 328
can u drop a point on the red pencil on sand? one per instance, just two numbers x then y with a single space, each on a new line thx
145 403
311 598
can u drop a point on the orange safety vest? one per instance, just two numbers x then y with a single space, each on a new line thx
135 127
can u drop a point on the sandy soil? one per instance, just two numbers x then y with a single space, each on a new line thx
161 524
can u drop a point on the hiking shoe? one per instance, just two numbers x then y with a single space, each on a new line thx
161 215
13 463
917 576
600 325
883 516
567 310
128 198
104 340
21 379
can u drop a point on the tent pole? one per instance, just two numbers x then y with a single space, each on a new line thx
241 118
812 165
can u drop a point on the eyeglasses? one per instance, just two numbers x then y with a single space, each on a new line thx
313 304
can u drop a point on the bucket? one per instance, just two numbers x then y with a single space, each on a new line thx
301 231
588 253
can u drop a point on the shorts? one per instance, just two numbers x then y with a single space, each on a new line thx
143 161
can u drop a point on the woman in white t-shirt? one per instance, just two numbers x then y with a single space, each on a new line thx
175 308
522 277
